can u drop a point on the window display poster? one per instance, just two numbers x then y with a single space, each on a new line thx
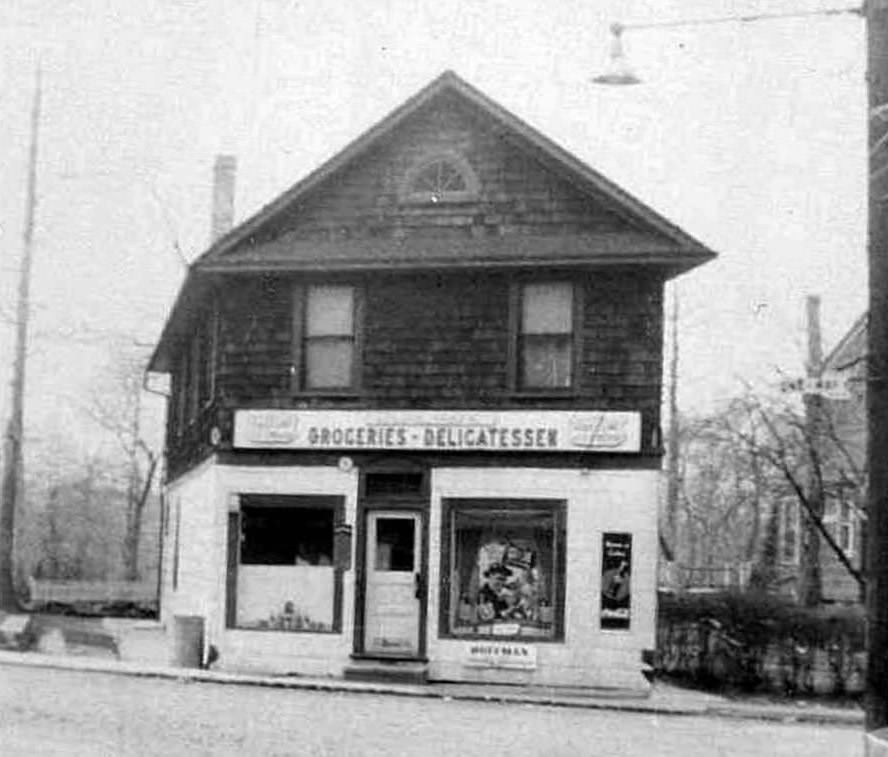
616 571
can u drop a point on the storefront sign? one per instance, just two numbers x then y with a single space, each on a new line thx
505 431
616 583
487 654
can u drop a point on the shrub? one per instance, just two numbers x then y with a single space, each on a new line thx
754 640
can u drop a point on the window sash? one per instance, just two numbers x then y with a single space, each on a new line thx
545 347
546 361
326 344
205 352
327 364
839 519
789 533
329 310
547 308
180 385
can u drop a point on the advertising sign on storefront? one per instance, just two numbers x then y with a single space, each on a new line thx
441 430
492 654
616 580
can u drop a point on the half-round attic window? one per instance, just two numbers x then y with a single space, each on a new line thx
440 178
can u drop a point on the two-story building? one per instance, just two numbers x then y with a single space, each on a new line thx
843 463
414 413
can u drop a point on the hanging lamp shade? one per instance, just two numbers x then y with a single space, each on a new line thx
618 71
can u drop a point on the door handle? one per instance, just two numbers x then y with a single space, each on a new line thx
419 585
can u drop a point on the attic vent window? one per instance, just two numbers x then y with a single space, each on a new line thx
443 178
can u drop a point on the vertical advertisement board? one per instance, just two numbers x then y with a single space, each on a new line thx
616 580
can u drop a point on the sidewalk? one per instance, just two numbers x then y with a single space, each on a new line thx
664 699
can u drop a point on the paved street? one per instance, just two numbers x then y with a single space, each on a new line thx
56 712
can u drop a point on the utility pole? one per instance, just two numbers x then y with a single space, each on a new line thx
12 443
672 440
876 682
810 588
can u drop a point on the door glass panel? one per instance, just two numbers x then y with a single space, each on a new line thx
394 544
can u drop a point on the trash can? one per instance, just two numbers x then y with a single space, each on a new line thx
188 641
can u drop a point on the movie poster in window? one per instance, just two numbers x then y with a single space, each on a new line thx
616 580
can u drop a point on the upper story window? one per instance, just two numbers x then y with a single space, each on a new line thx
326 337
195 383
205 349
545 336
839 519
444 177
789 531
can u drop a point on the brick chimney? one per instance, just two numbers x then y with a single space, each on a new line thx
222 219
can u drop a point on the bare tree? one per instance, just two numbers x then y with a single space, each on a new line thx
721 493
814 463
739 466
115 404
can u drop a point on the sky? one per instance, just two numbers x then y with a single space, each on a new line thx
749 135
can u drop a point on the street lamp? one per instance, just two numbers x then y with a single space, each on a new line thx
875 13
619 71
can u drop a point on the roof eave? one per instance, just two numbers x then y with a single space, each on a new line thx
859 325
677 264
161 358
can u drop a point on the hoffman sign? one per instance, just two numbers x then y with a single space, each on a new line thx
495 655
505 431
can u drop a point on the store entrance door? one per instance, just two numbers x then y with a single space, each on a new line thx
394 583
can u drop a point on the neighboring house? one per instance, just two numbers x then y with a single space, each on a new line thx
844 466
415 412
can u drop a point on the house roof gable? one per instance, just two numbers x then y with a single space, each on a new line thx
686 251
650 239
851 348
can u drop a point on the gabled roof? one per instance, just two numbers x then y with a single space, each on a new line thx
850 349
687 251
649 239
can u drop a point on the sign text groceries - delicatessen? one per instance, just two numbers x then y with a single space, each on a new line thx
442 430
434 437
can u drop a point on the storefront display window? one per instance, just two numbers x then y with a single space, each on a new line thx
505 569
286 579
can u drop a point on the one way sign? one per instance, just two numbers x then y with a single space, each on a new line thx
832 386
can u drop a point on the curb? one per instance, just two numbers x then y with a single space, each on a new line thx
443 692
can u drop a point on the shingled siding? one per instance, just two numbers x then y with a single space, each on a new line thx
435 341
255 340
517 193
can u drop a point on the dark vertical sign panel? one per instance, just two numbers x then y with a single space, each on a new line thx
616 583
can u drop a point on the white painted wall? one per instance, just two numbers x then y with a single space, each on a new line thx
190 500
281 651
597 501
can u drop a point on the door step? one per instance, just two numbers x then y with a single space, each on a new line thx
387 671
